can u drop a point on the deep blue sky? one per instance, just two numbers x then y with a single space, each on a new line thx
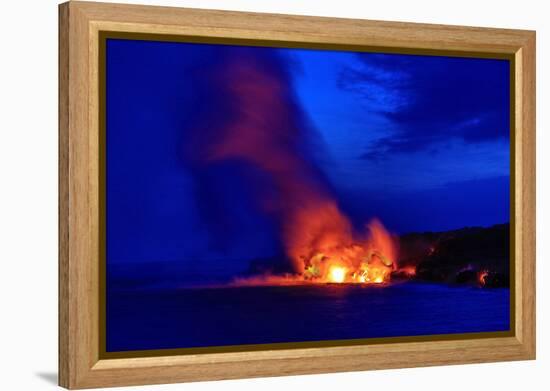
420 142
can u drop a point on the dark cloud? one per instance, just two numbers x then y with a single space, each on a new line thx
431 99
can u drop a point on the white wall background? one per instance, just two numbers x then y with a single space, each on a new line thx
28 193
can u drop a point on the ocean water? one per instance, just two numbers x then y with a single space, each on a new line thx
200 317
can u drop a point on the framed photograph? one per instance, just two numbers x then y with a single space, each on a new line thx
247 195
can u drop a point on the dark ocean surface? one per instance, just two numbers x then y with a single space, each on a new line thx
199 317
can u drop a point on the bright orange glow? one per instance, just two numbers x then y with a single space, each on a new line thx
336 255
323 244
481 277
408 270
337 274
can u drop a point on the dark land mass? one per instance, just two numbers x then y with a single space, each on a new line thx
472 255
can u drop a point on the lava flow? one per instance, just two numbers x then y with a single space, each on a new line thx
345 258
266 130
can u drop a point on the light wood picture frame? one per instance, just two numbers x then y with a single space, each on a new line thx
82 362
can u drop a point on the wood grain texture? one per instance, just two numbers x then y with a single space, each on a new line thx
63 178
528 187
80 23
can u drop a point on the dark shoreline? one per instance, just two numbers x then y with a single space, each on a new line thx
474 256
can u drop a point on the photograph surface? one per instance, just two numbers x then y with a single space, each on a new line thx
256 196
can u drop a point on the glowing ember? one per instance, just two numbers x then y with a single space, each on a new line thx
481 277
408 270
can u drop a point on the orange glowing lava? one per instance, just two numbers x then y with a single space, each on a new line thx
328 251
481 276
337 274
408 270
338 258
